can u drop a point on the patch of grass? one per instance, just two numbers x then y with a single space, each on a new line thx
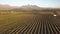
9 21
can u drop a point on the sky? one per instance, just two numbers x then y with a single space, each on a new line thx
41 3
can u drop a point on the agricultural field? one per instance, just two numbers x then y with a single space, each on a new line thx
16 23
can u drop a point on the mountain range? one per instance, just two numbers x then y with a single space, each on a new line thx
24 7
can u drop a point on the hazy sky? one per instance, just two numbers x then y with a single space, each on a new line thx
41 3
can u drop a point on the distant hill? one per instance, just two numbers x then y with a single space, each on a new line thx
6 7
25 8
31 7
28 8
34 7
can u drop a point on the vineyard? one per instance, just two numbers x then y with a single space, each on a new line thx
30 24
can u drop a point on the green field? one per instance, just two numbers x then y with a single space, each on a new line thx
13 23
